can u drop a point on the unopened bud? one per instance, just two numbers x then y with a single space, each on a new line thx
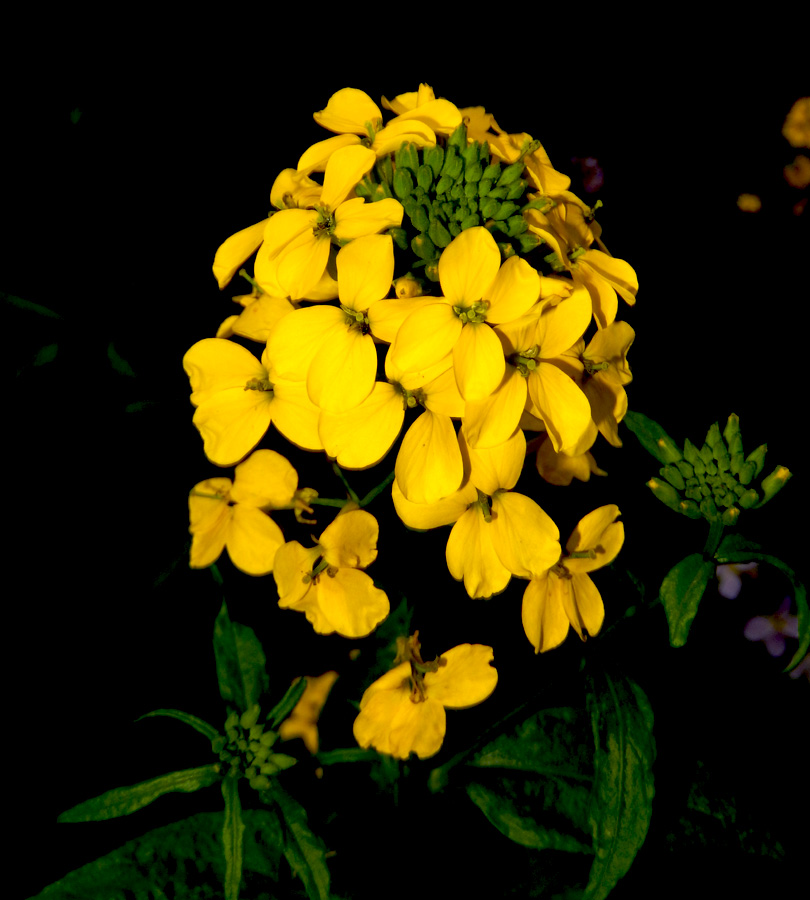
690 452
673 476
250 717
749 499
757 457
713 435
774 483
665 493
731 515
407 157
732 430
708 508
434 157
691 509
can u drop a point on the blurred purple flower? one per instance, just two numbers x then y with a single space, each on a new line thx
729 578
802 669
592 175
772 630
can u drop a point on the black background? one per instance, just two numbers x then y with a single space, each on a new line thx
112 221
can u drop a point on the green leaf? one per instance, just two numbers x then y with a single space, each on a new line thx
534 783
183 860
46 354
286 705
304 850
197 724
126 800
681 591
652 437
621 800
118 362
232 837
29 306
241 664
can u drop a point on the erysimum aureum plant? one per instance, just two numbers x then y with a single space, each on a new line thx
429 295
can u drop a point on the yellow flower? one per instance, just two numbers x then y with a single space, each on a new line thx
303 720
797 124
559 468
477 293
236 401
326 583
233 514
564 595
296 242
605 360
749 203
404 711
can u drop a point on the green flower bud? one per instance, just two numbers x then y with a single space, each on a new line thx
420 219
259 782
242 744
713 436
385 169
470 221
470 191
400 237
690 452
749 499
732 430
705 491
673 476
251 772
423 247
706 454
708 508
455 229
444 185
720 454
728 481
499 193
268 738
511 173
685 468
774 483
454 168
278 762
746 473
232 721
434 157
691 509
254 746
665 493
457 191
403 183
458 139
424 177
484 187
250 717
492 172
472 174
507 208
757 457
515 225
730 516
516 190
470 153
489 207
218 743
407 157
260 757
439 234
528 242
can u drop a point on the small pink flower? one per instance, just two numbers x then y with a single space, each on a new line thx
772 630
729 579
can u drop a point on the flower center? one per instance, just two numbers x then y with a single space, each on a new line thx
525 361
259 384
408 650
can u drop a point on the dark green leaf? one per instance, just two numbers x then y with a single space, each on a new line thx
29 306
232 837
241 664
126 800
681 591
304 850
184 860
118 362
197 724
533 784
285 706
653 438
46 354
621 800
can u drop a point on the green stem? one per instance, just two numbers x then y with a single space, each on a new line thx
714 537
326 501
375 491
339 472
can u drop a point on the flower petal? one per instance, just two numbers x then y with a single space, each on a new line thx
465 679
478 361
356 218
391 723
365 270
266 479
600 532
348 110
523 535
423 516
468 266
231 255
514 291
429 464
295 415
583 604
544 619
253 540
345 169
351 540
471 556
350 603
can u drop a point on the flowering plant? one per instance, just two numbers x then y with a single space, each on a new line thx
431 356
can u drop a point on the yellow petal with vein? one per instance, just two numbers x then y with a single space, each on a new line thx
478 361
361 437
468 266
231 255
471 556
266 479
356 218
346 167
295 415
348 110
544 619
466 678
350 603
351 540
253 540
515 290
524 536
429 464
365 270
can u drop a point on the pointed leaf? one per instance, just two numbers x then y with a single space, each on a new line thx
197 724
681 591
286 705
533 784
125 800
233 831
240 662
304 850
621 801
168 860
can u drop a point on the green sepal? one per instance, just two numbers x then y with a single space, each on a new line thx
489 207
774 483
516 190
197 724
757 457
730 516
233 830
440 236
277 762
444 185
528 242
685 468
749 499
403 183
673 475
241 664
713 435
420 218
423 247
620 805
506 209
250 716
708 508
681 592
424 177
653 437
690 508
706 455
510 174
458 139
434 157
385 169
690 452
731 433
746 473
470 221
123 801
665 493
492 172
287 703
407 157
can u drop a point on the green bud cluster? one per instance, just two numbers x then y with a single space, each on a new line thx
715 480
246 748
447 189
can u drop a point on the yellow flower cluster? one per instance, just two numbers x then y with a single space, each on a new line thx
431 263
